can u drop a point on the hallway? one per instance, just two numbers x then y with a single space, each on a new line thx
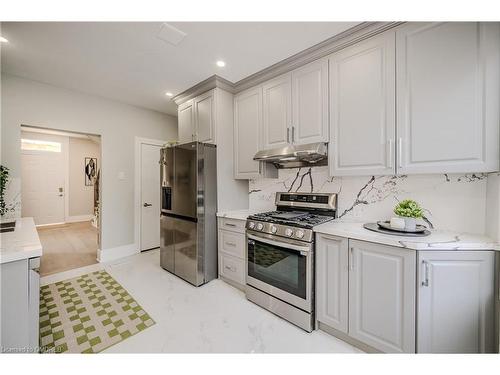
67 246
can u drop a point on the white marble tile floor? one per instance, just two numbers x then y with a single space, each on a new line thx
214 318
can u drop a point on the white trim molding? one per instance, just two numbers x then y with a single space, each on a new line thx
137 186
78 218
113 253
353 35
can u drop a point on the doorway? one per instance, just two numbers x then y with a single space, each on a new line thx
147 202
60 189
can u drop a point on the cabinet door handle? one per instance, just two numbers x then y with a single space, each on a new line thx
229 268
287 135
400 152
293 134
351 260
425 282
390 153
229 225
230 244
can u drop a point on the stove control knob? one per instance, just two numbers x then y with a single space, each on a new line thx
299 234
288 232
251 225
274 229
260 226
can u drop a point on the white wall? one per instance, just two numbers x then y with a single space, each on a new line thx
37 104
81 196
451 202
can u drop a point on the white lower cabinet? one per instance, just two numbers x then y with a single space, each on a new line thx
393 299
382 296
332 277
455 302
231 250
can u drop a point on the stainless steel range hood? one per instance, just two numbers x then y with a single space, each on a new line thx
293 156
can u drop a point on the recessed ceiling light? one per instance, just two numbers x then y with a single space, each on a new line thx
169 94
221 64
3 40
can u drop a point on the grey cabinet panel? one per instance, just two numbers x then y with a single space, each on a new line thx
310 103
382 296
277 103
362 108
448 97
186 125
332 277
247 128
455 302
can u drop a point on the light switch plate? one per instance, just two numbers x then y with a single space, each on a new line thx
121 175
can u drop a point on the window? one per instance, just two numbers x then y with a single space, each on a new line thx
36 145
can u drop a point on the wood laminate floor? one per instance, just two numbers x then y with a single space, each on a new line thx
67 246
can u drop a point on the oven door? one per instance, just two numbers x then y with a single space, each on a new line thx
281 268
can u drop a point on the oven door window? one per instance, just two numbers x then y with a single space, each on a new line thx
277 266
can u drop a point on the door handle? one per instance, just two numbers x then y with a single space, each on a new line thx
293 134
351 260
287 135
147 204
400 152
390 153
425 282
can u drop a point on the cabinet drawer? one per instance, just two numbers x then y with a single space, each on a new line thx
232 224
232 268
232 243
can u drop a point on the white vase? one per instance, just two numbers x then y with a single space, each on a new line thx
410 223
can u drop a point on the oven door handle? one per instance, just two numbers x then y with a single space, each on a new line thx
280 244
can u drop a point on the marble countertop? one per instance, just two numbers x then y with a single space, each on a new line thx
237 214
437 240
22 243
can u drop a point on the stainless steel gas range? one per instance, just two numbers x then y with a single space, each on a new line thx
280 254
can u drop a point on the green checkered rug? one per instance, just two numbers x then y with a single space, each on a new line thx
88 314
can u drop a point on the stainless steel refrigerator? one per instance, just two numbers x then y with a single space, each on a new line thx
188 245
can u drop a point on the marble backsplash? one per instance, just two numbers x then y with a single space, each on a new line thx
451 202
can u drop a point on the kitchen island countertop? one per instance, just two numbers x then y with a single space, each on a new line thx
22 243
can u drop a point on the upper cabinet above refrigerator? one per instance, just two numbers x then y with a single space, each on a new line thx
196 119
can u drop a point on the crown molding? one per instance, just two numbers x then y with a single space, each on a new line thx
351 36
204 86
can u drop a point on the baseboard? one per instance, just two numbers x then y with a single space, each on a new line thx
77 218
107 255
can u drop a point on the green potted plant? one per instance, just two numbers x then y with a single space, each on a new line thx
410 211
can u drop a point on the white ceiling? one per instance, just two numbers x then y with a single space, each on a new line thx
127 62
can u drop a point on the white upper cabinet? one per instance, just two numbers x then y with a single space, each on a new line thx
247 122
310 103
447 97
185 118
456 302
204 116
277 103
362 113
382 296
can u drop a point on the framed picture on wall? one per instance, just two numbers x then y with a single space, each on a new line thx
90 171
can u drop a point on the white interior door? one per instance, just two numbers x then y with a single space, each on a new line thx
150 196
43 179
